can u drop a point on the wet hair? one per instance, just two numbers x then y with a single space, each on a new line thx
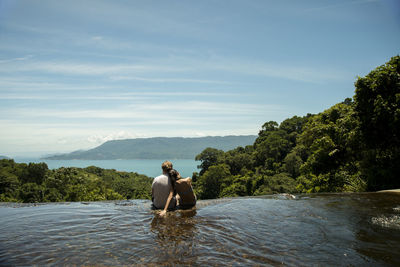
174 173
173 176
166 166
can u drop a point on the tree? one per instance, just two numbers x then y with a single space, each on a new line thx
377 101
239 160
292 164
9 185
293 127
377 104
272 149
208 157
31 193
265 131
278 183
209 184
329 144
37 172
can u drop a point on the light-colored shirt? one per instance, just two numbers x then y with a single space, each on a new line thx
161 187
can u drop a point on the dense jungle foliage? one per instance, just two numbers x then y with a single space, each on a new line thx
352 146
34 182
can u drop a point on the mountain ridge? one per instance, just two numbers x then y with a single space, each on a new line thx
157 148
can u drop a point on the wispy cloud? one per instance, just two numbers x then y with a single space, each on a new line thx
44 84
165 80
183 67
97 38
3 61
142 96
300 73
55 137
96 70
342 4
120 135
152 111
74 68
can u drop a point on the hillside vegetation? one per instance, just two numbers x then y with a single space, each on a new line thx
158 147
352 146
34 182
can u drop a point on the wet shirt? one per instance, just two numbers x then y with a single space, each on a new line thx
160 188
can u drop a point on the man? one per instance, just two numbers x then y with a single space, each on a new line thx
162 190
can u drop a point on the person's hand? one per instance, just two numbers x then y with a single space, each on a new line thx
163 213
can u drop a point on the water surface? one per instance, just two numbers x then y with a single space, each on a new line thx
325 229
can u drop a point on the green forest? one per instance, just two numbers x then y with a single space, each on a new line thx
353 146
34 182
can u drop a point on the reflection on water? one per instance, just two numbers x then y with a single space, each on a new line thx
324 229
175 237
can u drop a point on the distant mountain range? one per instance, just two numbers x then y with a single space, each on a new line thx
157 148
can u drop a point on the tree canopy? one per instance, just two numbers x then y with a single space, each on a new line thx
378 110
352 146
34 182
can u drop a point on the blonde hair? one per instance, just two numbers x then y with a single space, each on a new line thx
166 166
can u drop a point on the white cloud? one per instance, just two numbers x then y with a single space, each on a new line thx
97 38
183 68
278 70
134 96
2 61
153 112
68 130
342 4
31 83
200 134
62 141
19 138
99 138
73 85
86 68
165 80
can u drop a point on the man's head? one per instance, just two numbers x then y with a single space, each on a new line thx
166 166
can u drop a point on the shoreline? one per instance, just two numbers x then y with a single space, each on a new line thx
389 191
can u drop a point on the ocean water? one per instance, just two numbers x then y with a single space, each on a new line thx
309 230
149 167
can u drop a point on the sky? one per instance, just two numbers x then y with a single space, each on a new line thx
75 74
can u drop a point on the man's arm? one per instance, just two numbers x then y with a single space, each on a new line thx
170 196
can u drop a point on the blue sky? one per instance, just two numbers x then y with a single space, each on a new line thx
74 74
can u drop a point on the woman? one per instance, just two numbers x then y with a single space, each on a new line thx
183 188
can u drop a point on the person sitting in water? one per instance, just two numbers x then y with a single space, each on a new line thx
162 190
185 196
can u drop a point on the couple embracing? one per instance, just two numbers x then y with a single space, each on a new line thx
170 191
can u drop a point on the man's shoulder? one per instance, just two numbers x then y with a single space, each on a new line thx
160 178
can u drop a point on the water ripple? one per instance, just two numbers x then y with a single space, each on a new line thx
327 229
392 222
